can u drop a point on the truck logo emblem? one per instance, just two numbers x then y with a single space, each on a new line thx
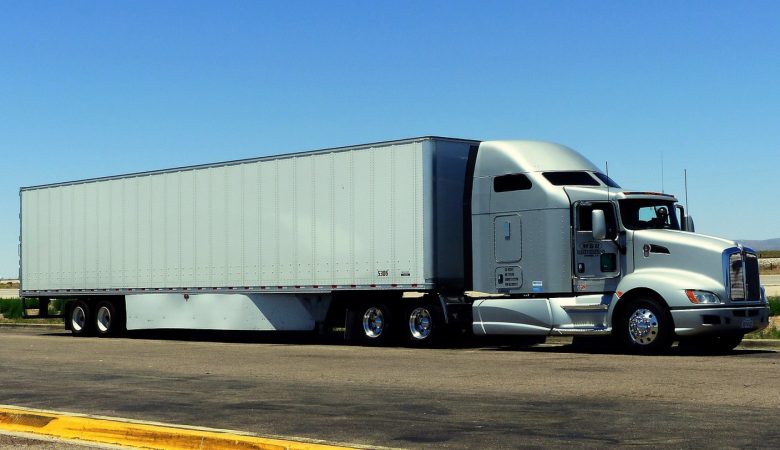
646 250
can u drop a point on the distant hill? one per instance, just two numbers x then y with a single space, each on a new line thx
768 244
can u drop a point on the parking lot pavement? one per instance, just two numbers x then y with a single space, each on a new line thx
480 396
33 442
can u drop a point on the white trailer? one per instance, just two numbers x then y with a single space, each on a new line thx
404 238
260 244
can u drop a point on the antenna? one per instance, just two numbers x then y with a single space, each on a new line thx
685 174
662 173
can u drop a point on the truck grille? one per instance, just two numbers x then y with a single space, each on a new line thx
743 277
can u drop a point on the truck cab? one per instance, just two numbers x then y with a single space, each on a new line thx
559 248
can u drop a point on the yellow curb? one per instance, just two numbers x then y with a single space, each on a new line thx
138 435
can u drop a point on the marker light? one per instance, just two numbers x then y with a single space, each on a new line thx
702 297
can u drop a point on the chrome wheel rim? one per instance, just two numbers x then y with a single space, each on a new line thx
420 323
103 319
373 322
78 319
643 326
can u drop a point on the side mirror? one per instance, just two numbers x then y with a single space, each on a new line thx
599 223
689 224
685 222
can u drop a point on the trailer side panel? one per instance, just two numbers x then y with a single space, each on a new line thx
341 219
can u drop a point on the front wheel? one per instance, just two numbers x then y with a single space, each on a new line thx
645 327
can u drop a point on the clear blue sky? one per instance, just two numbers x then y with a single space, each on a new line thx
94 88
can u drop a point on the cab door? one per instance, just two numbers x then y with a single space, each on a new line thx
596 262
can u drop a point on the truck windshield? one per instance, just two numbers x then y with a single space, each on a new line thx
648 214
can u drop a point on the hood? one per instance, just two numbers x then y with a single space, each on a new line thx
681 250
687 239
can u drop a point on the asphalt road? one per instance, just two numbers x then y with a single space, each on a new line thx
473 397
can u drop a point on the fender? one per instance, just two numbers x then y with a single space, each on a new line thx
668 284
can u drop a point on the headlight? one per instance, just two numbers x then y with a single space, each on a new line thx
702 297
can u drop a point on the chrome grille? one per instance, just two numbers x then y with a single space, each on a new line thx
736 277
743 277
751 276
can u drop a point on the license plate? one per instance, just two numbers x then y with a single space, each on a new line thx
747 323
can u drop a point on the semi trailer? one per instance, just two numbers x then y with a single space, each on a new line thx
403 239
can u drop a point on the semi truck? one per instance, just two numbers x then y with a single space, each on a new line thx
407 239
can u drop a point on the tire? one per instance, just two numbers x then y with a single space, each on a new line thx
593 343
521 342
725 343
645 326
372 324
717 344
108 320
423 325
79 319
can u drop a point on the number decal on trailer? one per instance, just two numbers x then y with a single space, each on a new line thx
383 273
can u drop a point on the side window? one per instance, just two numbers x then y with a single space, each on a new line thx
570 178
512 182
584 217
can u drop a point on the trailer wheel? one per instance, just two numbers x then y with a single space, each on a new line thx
425 324
645 327
372 324
80 319
108 319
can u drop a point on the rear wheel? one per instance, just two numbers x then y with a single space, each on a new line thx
80 319
645 327
424 324
372 324
108 319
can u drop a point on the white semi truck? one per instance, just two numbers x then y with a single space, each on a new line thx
404 239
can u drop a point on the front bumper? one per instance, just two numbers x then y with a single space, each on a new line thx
701 321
